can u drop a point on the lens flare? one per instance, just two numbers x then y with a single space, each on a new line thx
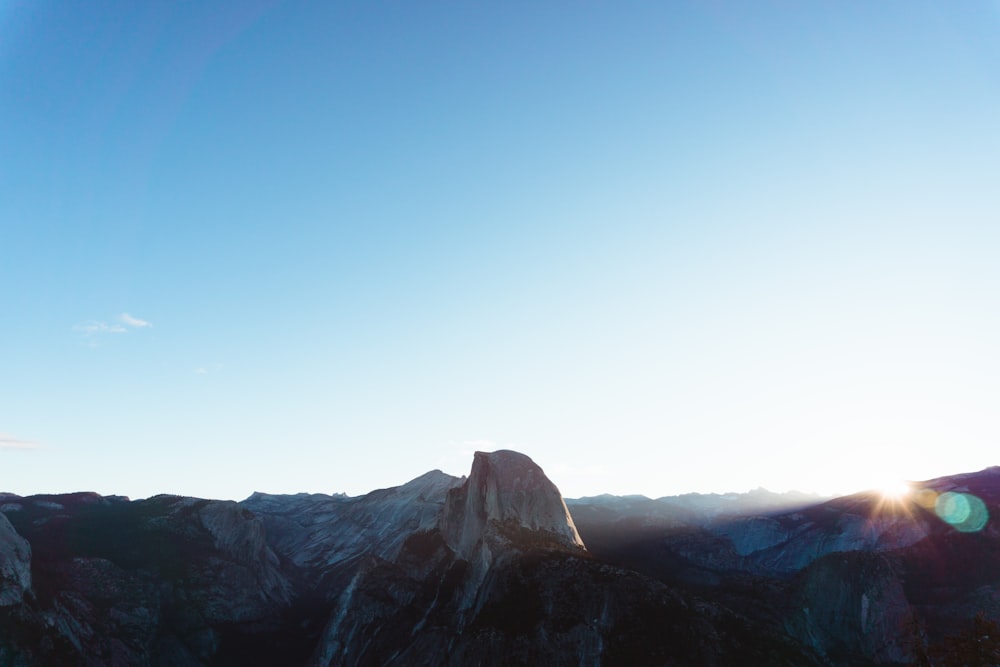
964 511
926 498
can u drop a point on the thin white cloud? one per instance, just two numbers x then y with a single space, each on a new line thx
134 321
201 371
94 328
8 441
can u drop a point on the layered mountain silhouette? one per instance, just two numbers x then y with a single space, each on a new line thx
497 569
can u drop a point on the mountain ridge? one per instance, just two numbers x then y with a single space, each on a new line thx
493 568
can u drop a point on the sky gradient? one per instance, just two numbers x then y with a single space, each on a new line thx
658 247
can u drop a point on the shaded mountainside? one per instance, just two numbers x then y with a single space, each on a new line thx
859 579
497 569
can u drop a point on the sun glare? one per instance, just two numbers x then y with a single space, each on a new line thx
894 489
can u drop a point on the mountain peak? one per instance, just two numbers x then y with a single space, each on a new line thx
507 496
510 470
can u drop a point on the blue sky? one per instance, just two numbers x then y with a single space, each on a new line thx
658 247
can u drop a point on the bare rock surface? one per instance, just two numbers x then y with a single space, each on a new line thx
15 564
506 494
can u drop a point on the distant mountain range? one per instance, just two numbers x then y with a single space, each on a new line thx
497 569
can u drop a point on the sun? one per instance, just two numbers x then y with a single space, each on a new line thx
894 489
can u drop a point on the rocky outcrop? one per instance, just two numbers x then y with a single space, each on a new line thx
448 568
15 564
506 506
506 499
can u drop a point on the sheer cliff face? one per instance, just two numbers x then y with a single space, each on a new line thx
15 564
507 498
504 579
505 508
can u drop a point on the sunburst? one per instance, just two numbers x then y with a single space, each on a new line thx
894 489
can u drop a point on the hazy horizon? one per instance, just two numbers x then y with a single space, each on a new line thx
659 248
887 483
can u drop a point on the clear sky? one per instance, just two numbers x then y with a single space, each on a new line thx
657 246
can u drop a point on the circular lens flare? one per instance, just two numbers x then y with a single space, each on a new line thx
966 512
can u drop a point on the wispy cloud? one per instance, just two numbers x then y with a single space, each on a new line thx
92 329
8 441
134 321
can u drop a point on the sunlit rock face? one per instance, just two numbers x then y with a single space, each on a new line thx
506 505
15 564
449 569
507 497
504 579
324 539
